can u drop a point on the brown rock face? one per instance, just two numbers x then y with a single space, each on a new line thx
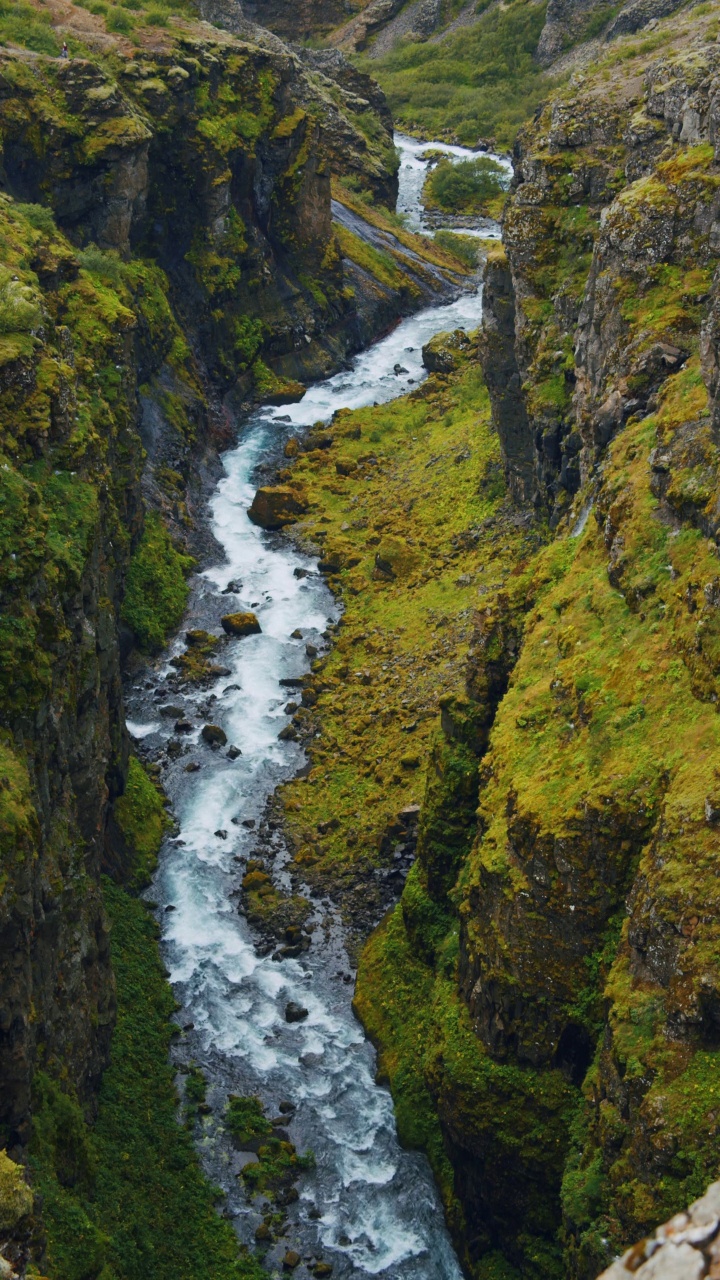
272 508
240 624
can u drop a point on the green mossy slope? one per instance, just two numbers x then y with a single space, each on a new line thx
125 1198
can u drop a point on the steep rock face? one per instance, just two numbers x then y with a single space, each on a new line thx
549 884
574 1050
569 22
168 255
299 21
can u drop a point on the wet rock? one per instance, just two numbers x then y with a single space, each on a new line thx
221 835
322 1269
288 953
197 637
171 712
445 351
300 573
290 708
288 734
183 726
291 1260
295 1012
175 748
171 907
314 1213
249 823
310 1060
287 1107
398 369
240 624
296 634
233 587
311 650
232 753
193 767
263 1232
272 508
213 735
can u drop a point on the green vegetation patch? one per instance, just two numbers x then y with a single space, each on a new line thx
156 591
125 1198
141 816
27 26
465 187
481 82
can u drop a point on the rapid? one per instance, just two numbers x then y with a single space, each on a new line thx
368 1207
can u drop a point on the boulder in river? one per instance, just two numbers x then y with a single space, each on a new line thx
213 735
240 624
445 351
291 1260
278 505
295 1012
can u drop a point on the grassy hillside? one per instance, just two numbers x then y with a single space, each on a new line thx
479 82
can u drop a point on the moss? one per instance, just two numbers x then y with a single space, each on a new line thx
155 590
140 814
126 1197
245 1119
16 1198
18 822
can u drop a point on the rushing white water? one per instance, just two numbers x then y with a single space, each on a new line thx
414 165
369 1207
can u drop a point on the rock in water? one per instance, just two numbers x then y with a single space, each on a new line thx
295 1012
240 624
213 735
272 508
444 352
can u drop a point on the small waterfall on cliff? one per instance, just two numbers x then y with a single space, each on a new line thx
368 1207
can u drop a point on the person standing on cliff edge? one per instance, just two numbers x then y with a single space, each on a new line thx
64 51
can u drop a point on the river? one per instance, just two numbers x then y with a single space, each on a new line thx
368 1207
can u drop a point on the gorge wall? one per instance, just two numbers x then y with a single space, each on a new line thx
576 1086
169 259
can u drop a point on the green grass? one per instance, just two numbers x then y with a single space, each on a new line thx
125 1199
477 83
23 25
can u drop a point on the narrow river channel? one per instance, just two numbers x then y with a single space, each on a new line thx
368 1207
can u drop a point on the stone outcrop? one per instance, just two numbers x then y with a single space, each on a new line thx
570 22
685 1248
275 506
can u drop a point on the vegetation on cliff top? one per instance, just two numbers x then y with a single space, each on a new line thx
480 82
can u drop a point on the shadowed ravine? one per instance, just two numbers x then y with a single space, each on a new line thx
368 1207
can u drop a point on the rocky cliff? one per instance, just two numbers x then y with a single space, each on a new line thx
169 258
587 903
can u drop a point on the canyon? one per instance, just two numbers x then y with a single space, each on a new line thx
491 814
